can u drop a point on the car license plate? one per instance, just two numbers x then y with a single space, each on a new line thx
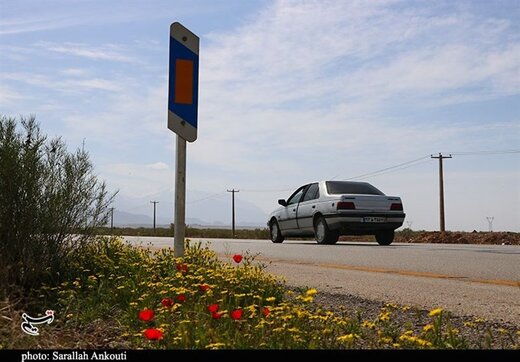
374 219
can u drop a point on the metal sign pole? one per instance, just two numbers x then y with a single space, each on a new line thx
183 99
180 198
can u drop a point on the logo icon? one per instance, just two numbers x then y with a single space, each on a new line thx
28 321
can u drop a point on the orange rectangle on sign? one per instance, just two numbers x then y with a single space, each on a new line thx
183 81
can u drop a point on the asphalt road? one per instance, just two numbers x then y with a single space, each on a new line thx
478 280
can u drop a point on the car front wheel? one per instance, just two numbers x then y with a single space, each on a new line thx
276 235
322 233
385 237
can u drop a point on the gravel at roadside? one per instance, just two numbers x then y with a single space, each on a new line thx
472 328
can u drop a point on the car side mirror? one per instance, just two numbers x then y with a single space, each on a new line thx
282 202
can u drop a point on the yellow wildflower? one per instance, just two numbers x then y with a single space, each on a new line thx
386 340
368 324
423 342
311 292
270 299
308 299
348 338
427 328
435 312
383 317
215 345
455 331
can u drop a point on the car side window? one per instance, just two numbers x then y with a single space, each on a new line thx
295 198
312 192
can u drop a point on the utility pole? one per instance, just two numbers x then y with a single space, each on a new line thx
154 205
490 222
111 219
233 209
441 189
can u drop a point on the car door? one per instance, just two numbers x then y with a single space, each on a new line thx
287 220
307 207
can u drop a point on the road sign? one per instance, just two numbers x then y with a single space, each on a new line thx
183 91
183 86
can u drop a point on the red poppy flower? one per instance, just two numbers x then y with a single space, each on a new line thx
167 302
153 334
216 315
181 298
182 267
204 287
213 308
237 258
265 311
237 314
146 315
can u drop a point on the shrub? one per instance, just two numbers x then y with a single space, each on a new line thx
51 203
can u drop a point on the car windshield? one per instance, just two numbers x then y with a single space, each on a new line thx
345 187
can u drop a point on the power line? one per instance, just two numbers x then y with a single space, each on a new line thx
394 170
267 190
383 170
207 197
484 153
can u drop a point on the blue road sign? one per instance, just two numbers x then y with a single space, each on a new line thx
183 85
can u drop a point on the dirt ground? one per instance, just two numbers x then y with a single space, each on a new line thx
449 237
454 237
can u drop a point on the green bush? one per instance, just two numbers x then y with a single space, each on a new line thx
51 204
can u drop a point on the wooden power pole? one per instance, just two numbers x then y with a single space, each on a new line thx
233 209
154 207
441 190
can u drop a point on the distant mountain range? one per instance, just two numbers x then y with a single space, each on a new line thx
202 209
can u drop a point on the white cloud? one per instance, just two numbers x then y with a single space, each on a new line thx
302 73
68 86
158 166
74 72
106 52
137 179
9 96
304 90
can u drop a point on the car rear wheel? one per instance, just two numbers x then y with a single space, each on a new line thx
322 233
276 235
385 237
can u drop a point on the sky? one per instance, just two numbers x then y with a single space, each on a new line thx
290 92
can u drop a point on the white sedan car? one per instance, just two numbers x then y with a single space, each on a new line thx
328 209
